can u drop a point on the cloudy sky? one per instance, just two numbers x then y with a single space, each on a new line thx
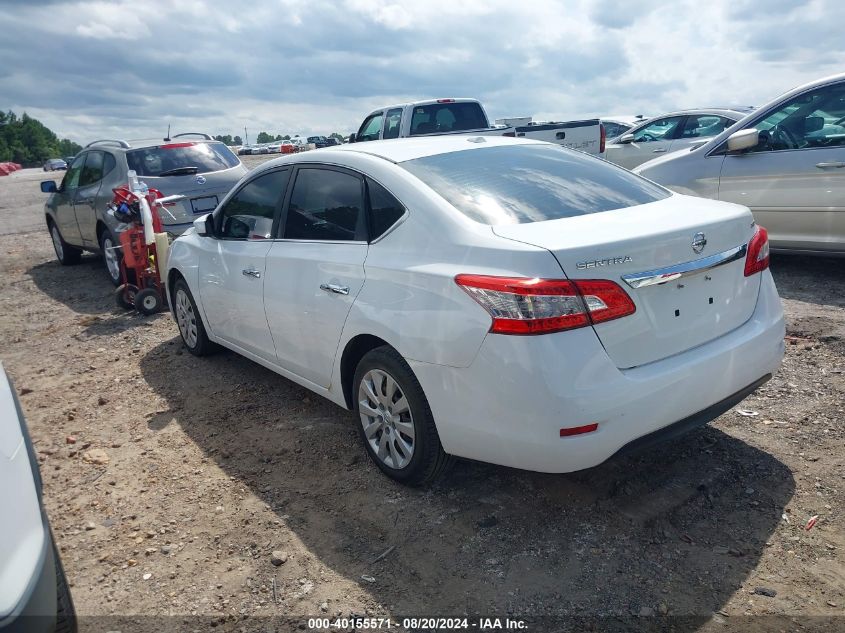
126 69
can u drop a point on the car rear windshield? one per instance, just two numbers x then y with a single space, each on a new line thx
206 157
447 117
518 184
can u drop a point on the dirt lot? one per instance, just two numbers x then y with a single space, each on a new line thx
213 464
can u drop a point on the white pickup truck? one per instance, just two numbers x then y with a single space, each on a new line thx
467 116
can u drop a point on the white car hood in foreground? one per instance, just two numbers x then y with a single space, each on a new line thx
22 530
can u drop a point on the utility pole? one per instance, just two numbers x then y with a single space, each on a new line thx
246 138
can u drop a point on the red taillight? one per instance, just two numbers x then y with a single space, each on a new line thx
578 430
603 138
445 101
175 145
520 305
757 259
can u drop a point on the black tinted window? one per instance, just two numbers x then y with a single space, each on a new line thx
530 183
205 157
385 210
447 117
93 170
249 214
391 123
325 205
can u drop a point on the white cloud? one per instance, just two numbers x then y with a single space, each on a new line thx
318 66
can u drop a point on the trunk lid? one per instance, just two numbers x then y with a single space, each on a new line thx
672 316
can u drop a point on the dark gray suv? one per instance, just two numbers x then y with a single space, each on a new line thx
193 165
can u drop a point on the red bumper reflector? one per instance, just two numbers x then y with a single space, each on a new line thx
578 430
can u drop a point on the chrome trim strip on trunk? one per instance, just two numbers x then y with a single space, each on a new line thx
671 273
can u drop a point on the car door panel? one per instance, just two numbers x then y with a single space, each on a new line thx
317 269
308 292
64 203
231 279
233 265
799 203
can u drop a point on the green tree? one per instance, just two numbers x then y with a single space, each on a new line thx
263 137
27 141
339 137
238 140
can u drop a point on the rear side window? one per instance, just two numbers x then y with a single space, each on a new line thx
530 183
447 117
181 158
93 170
391 123
385 210
249 213
325 205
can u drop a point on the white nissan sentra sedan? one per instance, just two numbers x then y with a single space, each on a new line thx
498 299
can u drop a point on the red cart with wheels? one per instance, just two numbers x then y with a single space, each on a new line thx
142 286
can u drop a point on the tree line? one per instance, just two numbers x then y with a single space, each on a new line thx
29 142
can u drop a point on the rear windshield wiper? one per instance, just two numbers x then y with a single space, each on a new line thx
180 171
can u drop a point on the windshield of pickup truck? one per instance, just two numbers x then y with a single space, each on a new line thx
447 117
518 184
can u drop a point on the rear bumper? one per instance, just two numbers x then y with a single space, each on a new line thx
508 406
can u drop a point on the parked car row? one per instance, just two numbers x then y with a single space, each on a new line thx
785 161
429 283
291 146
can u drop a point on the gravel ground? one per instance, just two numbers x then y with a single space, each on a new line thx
179 486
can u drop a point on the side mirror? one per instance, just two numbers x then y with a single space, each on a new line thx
352 137
204 225
744 139
626 138
48 186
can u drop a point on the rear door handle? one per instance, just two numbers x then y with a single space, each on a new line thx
251 272
341 290
826 165
85 201
658 151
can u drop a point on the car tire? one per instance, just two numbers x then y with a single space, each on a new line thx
403 442
112 259
148 301
65 611
66 254
191 327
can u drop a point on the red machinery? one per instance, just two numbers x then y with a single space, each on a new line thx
142 286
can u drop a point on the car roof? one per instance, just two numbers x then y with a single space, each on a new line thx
404 149
141 143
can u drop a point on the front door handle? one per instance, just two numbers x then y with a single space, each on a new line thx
658 151
826 165
85 201
251 272
341 290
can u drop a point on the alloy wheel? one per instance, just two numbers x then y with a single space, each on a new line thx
186 318
386 418
111 258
